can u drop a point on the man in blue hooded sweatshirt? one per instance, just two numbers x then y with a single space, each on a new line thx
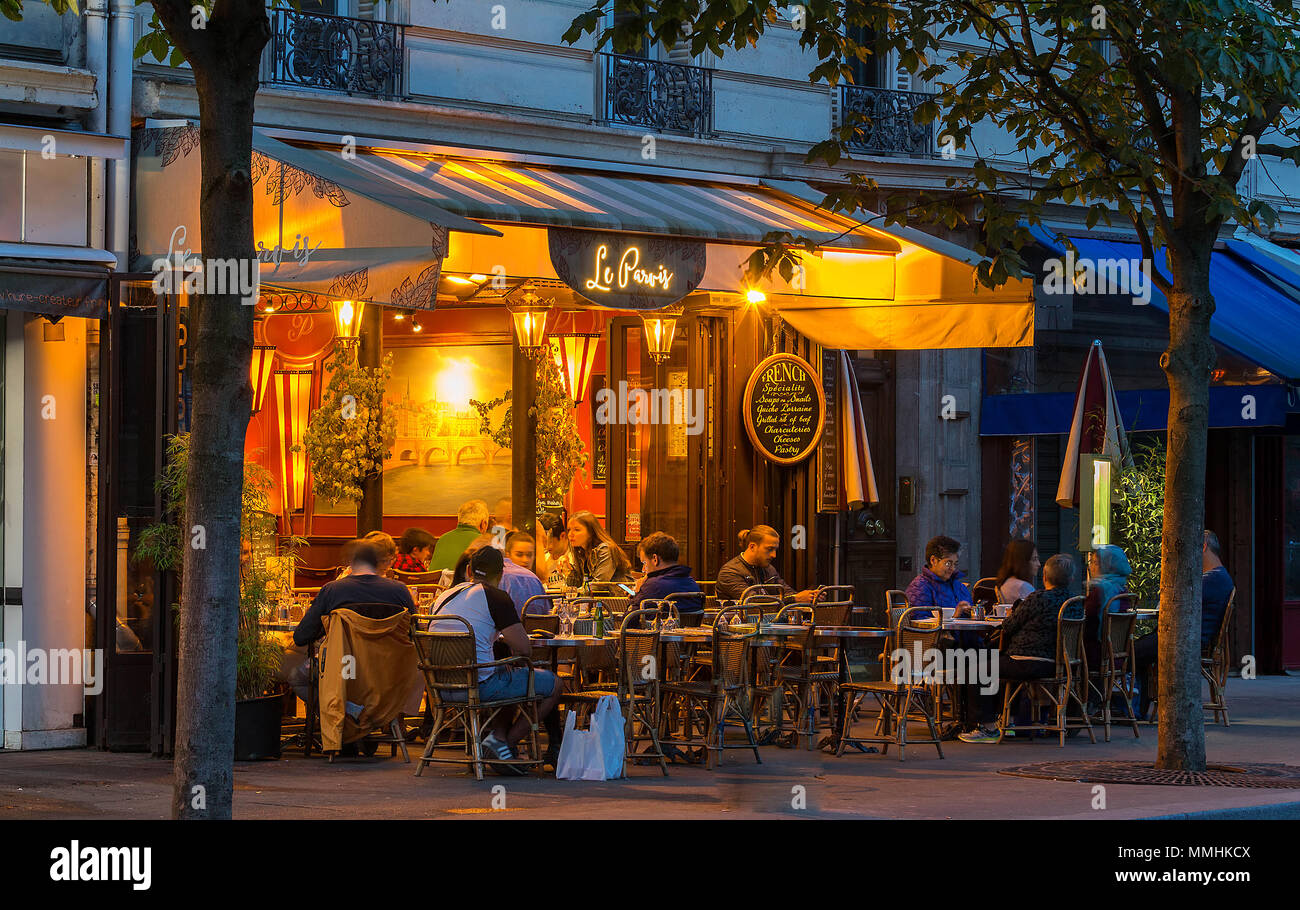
939 584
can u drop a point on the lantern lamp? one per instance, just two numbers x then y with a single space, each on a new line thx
530 325
575 355
660 329
347 321
259 373
293 398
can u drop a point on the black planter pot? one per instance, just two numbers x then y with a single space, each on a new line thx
257 728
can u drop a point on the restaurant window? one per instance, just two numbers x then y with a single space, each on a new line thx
643 50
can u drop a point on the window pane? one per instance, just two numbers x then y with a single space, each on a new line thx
11 198
56 200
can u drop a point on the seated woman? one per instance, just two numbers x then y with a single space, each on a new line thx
1019 571
596 557
1108 572
554 561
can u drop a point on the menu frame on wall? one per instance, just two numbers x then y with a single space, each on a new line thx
813 382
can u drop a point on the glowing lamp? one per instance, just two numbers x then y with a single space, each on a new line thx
755 296
660 329
530 325
293 398
575 355
347 320
259 373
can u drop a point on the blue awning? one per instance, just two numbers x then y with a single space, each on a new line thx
1043 414
1255 315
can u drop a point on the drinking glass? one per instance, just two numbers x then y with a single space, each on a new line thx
426 602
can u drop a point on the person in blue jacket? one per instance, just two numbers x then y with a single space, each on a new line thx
939 584
664 574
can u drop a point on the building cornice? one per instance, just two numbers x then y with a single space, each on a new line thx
64 89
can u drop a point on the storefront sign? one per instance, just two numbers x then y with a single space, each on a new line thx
784 409
626 271
829 453
54 295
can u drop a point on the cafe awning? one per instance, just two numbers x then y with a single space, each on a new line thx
55 281
320 223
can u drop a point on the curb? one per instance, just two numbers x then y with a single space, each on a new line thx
1290 810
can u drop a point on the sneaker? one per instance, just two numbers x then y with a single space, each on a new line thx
501 749
978 736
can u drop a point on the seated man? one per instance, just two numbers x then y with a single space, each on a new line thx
1028 639
414 551
517 579
503 516
664 575
1216 589
490 613
363 590
471 521
939 584
754 567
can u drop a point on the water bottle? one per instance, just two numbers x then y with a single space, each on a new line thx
600 619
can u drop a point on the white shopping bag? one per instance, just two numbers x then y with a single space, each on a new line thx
597 753
607 725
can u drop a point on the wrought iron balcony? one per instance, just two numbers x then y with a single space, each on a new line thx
335 54
889 125
658 95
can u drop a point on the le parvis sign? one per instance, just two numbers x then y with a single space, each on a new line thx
626 271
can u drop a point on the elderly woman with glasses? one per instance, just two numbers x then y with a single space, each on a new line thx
940 582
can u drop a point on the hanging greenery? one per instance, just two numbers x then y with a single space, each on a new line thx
1139 518
351 433
560 451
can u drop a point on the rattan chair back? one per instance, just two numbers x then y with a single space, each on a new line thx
767 591
730 660
446 655
912 636
1071 664
639 640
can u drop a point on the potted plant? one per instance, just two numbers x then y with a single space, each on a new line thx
257 653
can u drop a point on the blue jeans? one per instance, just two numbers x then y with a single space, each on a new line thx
509 682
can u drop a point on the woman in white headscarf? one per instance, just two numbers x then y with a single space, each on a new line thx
1108 572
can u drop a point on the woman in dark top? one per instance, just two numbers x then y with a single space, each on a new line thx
596 557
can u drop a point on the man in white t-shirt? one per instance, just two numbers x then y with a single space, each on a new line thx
491 614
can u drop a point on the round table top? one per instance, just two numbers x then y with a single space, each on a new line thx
991 623
573 641
276 626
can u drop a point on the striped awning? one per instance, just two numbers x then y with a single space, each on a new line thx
515 192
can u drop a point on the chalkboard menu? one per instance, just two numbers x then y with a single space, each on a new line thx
784 409
829 453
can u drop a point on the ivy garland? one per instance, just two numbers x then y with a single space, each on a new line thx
351 433
560 450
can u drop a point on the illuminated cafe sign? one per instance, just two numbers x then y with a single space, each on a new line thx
626 271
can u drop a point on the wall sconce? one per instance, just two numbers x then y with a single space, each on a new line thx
259 373
293 398
660 329
530 325
347 322
575 355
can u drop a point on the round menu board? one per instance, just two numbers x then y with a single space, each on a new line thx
784 408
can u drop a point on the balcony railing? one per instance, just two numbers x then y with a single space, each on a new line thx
334 54
658 95
889 126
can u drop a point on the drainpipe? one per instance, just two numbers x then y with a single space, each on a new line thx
121 62
97 63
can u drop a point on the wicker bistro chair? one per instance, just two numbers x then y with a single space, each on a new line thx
902 695
449 662
833 605
637 690
985 589
696 601
416 578
806 674
548 599
729 695
1214 664
1068 683
895 606
1115 675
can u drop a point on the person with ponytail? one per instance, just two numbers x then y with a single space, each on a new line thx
754 567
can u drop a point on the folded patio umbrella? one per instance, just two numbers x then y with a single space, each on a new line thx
1097 427
857 476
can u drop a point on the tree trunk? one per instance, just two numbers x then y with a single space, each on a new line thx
224 58
1187 364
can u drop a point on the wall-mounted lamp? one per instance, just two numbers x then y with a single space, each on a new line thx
259 373
530 324
660 329
347 321
293 398
575 355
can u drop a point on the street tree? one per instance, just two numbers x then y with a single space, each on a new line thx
1144 113
223 47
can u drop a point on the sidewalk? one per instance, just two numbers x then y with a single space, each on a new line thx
77 784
